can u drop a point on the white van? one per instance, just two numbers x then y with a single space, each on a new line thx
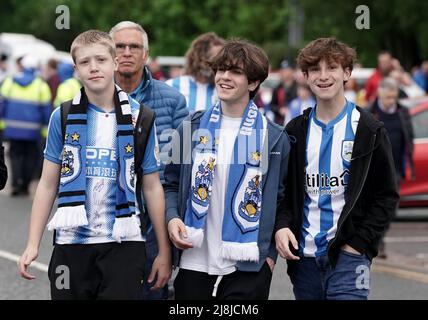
16 45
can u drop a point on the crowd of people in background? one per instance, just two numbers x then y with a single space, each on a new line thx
287 101
29 98
54 82
48 85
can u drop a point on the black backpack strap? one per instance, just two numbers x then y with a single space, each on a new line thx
143 126
64 109
197 114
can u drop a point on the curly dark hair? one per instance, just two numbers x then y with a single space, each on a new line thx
328 49
239 53
197 57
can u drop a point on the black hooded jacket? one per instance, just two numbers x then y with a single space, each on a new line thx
3 169
370 198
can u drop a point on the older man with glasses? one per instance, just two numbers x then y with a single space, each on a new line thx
132 75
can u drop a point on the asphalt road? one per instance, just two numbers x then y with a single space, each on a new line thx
403 275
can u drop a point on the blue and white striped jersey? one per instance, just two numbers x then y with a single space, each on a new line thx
328 155
101 171
199 96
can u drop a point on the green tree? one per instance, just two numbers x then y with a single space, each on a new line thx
395 25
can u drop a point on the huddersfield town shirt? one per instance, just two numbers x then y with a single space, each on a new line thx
199 96
101 171
328 158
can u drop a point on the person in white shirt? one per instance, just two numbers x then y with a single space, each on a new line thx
230 189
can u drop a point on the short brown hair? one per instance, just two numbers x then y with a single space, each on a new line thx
197 56
238 53
328 49
91 37
52 63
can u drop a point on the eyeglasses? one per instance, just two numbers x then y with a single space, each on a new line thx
133 47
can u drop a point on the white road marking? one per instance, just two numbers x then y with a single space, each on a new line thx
422 255
13 257
405 239
401 273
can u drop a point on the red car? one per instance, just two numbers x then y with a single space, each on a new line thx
415 193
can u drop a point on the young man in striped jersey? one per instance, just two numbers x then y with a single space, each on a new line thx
99 250
197 85
341 187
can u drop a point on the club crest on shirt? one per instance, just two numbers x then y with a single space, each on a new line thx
130 172
71 163
347 146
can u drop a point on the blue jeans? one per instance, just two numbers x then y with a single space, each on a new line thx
151 253
315 279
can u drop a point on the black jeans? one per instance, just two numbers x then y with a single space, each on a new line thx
23 160
102 271
239 285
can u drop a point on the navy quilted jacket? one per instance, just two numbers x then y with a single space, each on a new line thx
169 106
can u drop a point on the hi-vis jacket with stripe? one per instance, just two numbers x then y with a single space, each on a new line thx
26 107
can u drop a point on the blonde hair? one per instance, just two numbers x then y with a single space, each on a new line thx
91 37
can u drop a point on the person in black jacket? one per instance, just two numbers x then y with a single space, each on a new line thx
398 124
3 169
283 93
340 190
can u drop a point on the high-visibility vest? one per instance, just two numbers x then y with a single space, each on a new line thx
26 108
66 91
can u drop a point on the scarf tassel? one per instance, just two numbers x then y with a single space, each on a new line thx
126 227
240 251
68 217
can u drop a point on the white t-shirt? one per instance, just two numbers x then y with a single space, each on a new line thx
207 258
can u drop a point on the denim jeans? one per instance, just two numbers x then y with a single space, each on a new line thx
315 279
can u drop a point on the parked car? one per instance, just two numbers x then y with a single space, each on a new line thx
415 193
412 193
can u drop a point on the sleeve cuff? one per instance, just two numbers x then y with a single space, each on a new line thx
171 214
358 244
273 254
280 224
53 159
150 170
